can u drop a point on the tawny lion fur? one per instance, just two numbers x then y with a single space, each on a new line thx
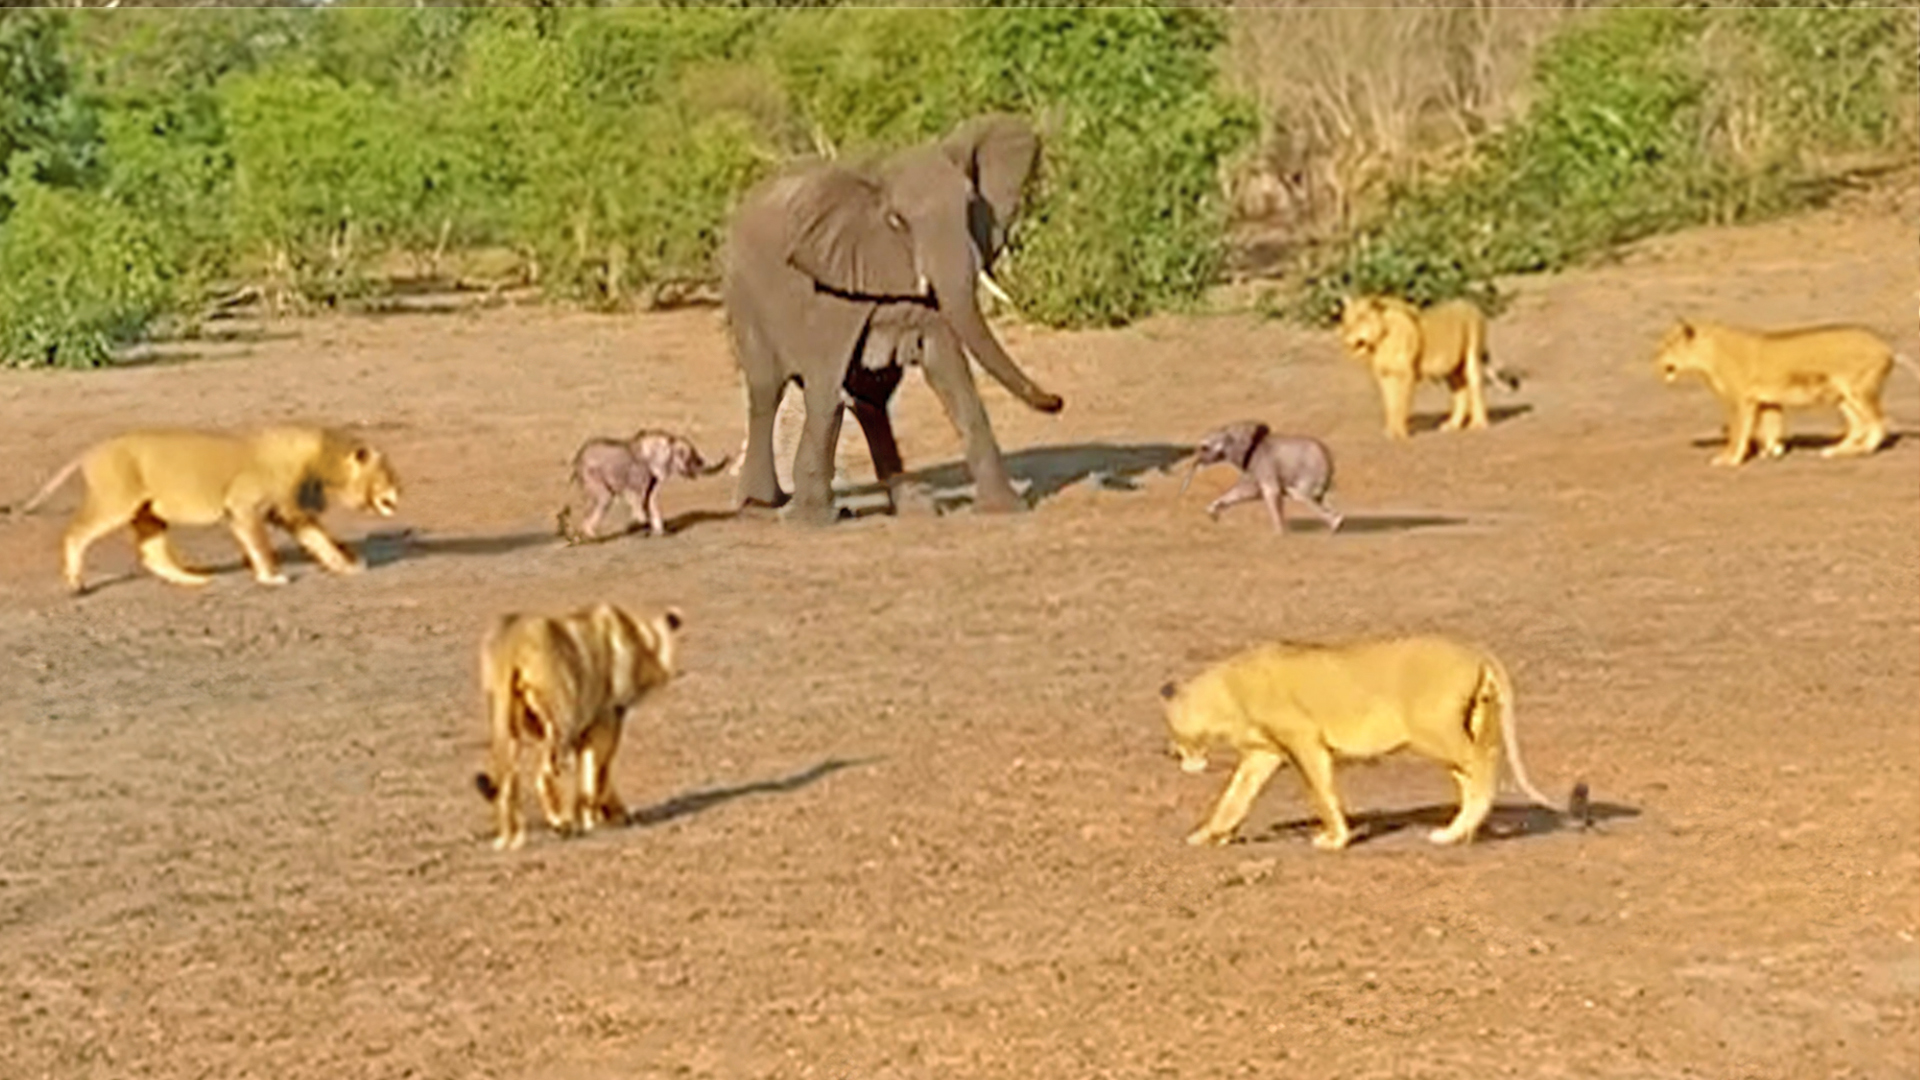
1758 374
563 686
1403 345
1311 704
148 480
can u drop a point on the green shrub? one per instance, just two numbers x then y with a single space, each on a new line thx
1645 120
80 276
1130 217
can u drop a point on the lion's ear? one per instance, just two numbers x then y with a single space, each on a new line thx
1166 690
1686 329
674 619
362 455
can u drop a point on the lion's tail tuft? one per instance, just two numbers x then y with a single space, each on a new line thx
488 789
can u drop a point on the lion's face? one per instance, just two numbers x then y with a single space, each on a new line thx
1681 351
1362 324
370 483
1186 740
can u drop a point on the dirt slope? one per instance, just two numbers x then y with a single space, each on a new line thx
907 813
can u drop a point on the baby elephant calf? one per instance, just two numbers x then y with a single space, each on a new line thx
634 470
1272 467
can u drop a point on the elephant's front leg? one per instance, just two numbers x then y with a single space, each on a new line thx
946 366
813 459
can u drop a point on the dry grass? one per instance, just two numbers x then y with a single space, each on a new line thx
1352 98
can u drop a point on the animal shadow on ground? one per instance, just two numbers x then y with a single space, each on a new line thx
1496 415
693 802
1808 442
1048 470
1504 823
381 548
675 524
375 549
1298 522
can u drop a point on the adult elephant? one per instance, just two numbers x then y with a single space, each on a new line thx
838 277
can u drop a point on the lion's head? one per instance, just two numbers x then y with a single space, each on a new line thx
1363 323
368 482
1188 738
1682 350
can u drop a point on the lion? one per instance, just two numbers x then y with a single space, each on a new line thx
1404 345
1758 374
564 685
150 479
1313 704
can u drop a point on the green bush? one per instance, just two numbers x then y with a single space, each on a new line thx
80 276
1130 216
1645 120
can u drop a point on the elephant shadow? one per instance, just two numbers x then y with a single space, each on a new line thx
1496 415
693 802
1504 823
1048 470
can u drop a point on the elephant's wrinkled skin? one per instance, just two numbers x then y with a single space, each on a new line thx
838 277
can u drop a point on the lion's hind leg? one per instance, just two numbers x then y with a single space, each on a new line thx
91 522
1477 781
504 779
1472 756
1866 426
156 552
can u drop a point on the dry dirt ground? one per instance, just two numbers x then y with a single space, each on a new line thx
908 813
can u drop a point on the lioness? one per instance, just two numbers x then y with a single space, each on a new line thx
1404 345
1757 374
1311 704
565 685
147 480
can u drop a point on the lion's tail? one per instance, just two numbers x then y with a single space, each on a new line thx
1907 362
66 472
1503 689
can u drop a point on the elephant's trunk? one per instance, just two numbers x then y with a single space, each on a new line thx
709 470
964 315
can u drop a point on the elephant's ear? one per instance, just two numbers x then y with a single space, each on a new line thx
998 153
841 234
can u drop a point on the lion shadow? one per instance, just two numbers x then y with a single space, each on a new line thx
693 802
1047 471
1496 415
1805 442
382 548
1505 822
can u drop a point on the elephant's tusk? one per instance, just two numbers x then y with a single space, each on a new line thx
1191 469
993 289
